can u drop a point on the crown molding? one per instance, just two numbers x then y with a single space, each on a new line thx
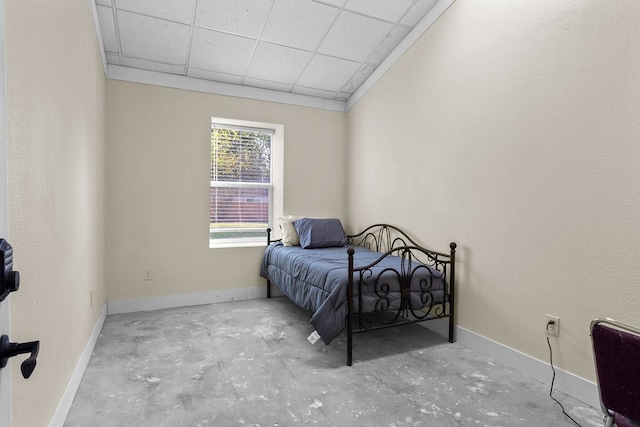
96 25
117 72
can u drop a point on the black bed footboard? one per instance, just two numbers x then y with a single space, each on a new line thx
401 294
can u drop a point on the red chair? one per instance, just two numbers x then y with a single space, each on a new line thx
616 352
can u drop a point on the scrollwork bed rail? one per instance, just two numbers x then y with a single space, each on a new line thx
390 241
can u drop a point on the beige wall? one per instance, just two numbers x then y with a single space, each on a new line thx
512 128
55 114
158 185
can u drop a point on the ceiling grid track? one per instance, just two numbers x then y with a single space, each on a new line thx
312 52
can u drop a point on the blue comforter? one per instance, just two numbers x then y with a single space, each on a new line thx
317 280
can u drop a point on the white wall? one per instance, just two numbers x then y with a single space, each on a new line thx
158 185
55 114
512 128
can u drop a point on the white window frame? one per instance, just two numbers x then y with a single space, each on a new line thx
276 198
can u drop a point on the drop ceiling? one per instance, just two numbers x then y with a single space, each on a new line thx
324 49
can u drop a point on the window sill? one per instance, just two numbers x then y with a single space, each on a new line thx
226 245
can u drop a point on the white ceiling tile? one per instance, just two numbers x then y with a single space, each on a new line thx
278 63
212 75
364 35
113 58
153 39
172 10
224 53
108 28
313 92
152 66
417 12
358 78
327 73
282 87
242 17
388 10
298 23
388 44
267 44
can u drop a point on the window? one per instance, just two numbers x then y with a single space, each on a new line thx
241 204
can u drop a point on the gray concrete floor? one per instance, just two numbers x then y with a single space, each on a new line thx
249 363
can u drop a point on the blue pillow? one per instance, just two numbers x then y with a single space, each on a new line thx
320 233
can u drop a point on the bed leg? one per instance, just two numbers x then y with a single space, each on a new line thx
349 340
452 290
350 253
451 326
268 281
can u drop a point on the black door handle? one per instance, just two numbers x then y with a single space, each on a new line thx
10 349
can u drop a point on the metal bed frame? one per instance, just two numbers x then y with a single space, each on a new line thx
391 241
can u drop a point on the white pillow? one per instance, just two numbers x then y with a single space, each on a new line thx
289 234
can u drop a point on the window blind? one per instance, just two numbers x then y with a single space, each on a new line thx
240 190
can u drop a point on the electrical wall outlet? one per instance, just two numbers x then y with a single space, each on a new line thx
147 274
552 325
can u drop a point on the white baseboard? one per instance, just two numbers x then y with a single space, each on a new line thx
64 405
566 382
184 300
